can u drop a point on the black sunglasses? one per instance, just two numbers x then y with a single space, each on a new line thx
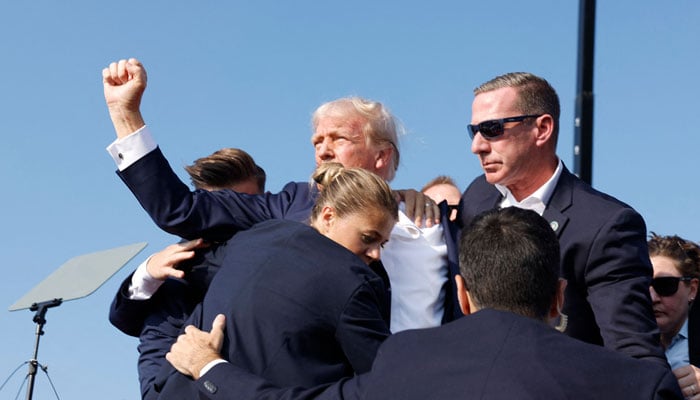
494 128
668 285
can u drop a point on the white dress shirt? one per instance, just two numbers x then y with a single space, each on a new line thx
416 261
143 285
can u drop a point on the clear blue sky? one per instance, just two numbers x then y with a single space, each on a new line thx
249 74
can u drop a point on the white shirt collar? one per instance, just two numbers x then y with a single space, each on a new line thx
538 200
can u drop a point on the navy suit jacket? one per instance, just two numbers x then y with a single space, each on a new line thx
214 216
301 309
487 355
694 332
604 258
158 321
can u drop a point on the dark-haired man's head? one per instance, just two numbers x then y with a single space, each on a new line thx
228 168
509 260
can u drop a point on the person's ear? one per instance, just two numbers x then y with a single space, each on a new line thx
382 160
557 305
327 218
462 295
693 289
545 129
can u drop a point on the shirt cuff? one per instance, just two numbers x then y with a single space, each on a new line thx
143 285
211 364
128 150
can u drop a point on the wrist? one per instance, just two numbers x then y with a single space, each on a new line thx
125 121
208 366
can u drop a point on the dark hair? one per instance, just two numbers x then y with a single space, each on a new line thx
684 253
225 168
509 259
260 177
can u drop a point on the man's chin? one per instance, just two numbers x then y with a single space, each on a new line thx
492 177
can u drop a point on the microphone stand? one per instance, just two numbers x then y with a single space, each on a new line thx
40 319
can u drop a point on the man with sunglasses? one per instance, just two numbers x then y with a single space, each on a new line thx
515 124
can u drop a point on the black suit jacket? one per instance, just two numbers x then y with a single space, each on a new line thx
301 309
487 355
694 332
604 258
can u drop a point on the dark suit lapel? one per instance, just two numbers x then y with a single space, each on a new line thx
561 200
491 200
480 196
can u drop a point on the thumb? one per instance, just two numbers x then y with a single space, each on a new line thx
136 70
217 331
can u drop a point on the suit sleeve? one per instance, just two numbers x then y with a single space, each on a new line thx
213 215
362 326
128 315
668 388
618 276
227 381
451 233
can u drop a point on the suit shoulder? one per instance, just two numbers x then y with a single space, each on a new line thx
315 249
602 197
302 192
430 340
301 187
478 185
582 190
590 207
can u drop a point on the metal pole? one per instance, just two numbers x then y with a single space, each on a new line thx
583 122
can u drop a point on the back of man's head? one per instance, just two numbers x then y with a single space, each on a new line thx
509 259
227 168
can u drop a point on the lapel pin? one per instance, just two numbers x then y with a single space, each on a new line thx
554 225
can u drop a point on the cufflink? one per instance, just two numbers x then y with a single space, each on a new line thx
121 156
211 388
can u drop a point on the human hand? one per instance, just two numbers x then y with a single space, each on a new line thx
164 263
124 83
419 206
194 349
688 377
